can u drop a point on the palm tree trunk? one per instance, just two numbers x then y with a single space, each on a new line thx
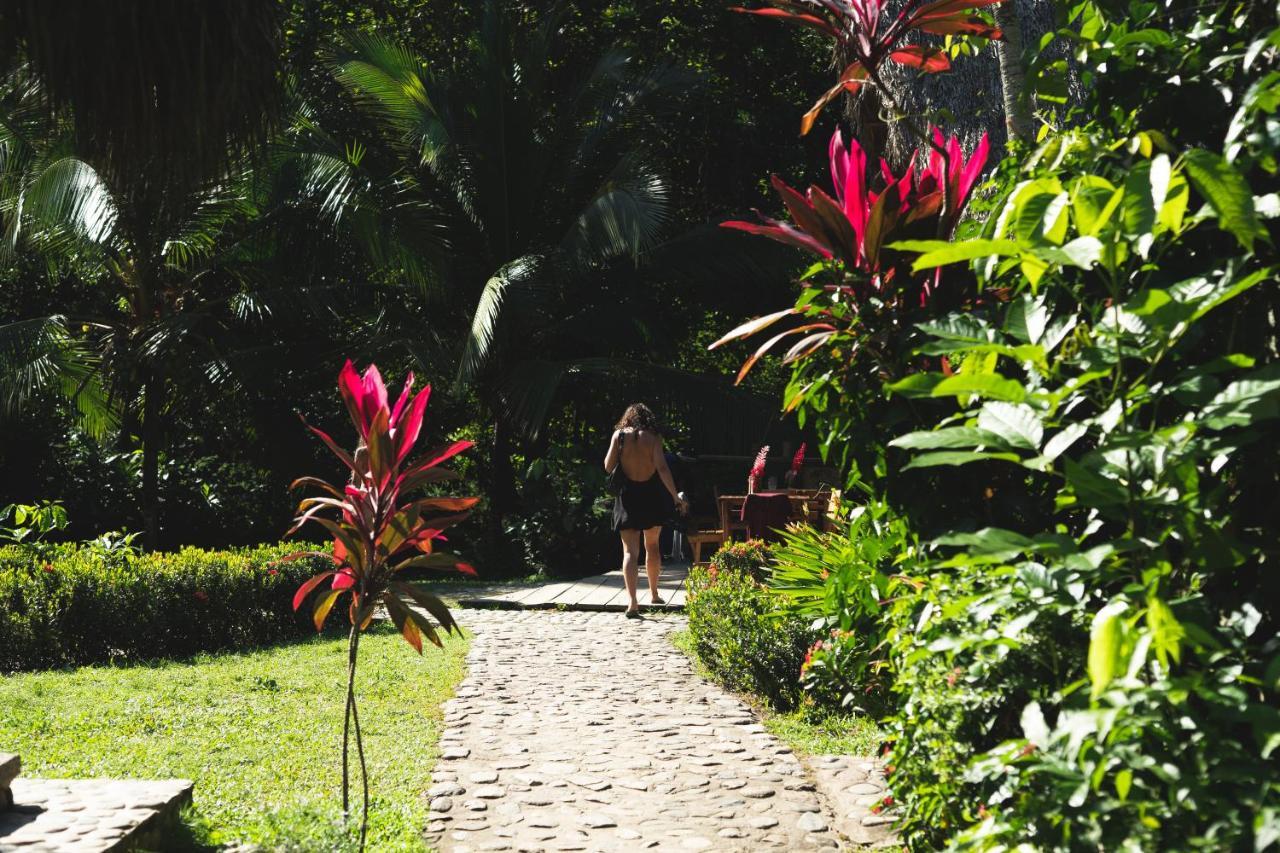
1013 74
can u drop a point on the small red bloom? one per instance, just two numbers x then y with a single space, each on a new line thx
1027 750
201 596
272 572
48 567
887 801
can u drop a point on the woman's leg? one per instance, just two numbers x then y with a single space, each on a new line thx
630 564
653 560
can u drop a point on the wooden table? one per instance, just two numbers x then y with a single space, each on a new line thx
730 508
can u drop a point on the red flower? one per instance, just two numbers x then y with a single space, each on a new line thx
272 572
797 460
48 567
887 801
1027 750
201 596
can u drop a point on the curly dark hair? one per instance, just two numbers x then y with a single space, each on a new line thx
639 416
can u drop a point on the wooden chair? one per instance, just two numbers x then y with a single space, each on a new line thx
730 509
702 537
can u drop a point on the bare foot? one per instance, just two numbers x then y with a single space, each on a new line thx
655 598
632 613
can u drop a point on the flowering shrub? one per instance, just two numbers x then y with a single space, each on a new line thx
71 605
842 671
734 630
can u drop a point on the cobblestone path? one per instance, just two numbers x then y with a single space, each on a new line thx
588 731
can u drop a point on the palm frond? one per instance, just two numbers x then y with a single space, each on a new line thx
624 217
488 313
65 208
40 355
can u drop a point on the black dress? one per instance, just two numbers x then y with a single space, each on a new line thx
640 504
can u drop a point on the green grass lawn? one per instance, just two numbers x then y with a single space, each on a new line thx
805 730
260 733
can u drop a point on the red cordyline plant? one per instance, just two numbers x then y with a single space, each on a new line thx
853 229
859 30
378 530
757 468
797 462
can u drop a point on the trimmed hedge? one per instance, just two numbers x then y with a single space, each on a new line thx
737 632
67 605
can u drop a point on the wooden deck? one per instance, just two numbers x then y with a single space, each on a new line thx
597 592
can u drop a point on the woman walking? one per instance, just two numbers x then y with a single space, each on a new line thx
645 498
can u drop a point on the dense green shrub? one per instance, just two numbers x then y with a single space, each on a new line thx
1081 421
69 604
838 581
737 634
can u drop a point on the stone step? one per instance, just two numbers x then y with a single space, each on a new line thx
91 815
10 765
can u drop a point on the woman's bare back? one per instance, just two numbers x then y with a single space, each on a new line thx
639 454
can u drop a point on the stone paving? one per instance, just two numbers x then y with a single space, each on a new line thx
588 731
856 790
89 815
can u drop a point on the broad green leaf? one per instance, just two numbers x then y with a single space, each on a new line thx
1253 398
1124 780
1028 318
1041 216
1105 636
948 437
1093 201
1174 209
989 540
990 385
1139 211
1055 446
1227 193
1228 290
1017 424
1161 174
956 457
1034 727
959 327
1082 252
940 253
916 385
1093 489
1166 631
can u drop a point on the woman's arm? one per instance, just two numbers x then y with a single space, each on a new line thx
611 458
660 462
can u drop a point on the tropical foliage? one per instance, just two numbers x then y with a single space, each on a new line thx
379 531
1083 652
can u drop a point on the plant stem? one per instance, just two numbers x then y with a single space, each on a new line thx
353 642
364 772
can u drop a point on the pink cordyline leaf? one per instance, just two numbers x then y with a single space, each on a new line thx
798 459
757 469
308 585
412 425
400 403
